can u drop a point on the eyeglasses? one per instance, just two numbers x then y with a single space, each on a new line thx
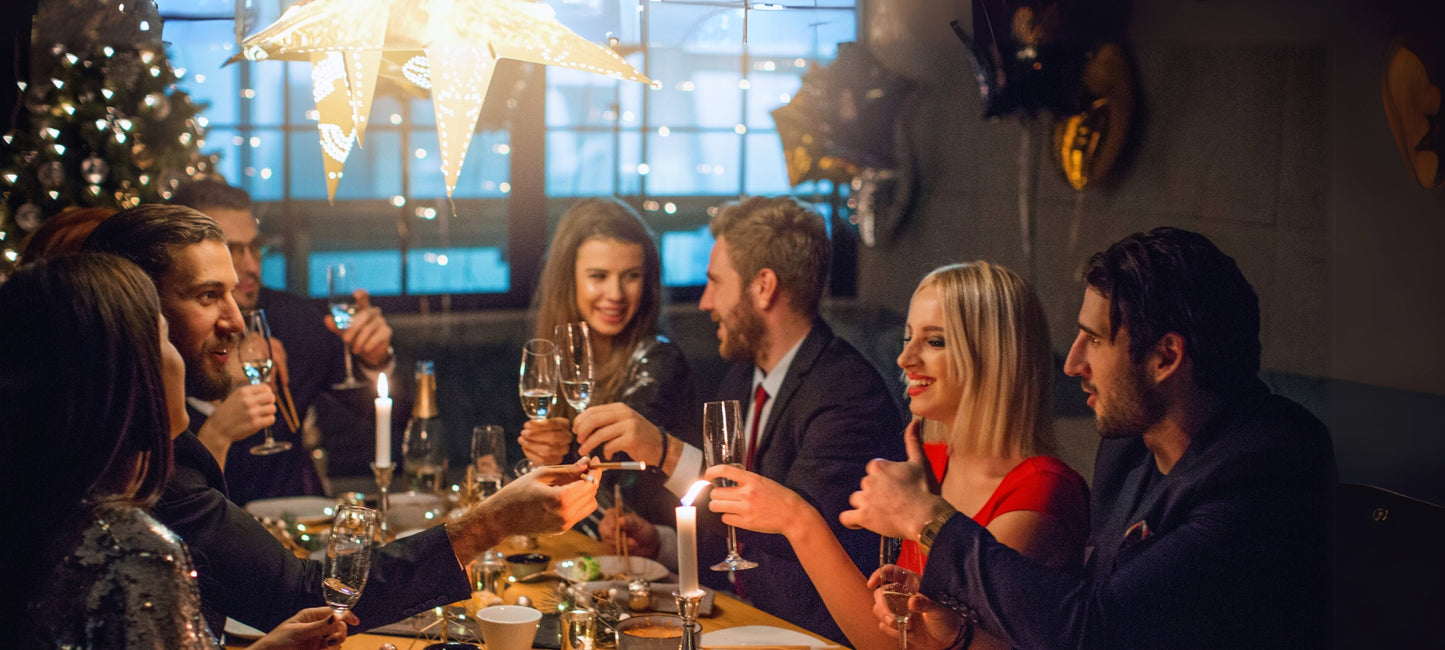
256 247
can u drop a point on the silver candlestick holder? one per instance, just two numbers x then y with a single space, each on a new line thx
687 607
383 487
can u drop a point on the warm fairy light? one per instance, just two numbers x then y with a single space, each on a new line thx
740 129
398 200
643 169
664 131
669 207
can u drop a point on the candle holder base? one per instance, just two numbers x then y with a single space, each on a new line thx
383 488
687 607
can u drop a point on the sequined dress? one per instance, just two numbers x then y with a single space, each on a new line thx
126 582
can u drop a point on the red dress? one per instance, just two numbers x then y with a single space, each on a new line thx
1041 484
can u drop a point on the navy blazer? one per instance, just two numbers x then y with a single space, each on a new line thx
832 414
245 573
1231 548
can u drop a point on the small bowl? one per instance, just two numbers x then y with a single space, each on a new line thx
653 632
522 565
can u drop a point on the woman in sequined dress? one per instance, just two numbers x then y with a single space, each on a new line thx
603 268
91 392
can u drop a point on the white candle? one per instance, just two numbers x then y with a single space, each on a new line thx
687 540
383 423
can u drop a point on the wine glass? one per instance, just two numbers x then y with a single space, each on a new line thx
889 548
537 387
722 434
574 358
348 556
489 454
899 584
255 355
340 292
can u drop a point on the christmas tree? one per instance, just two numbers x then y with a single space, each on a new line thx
107 125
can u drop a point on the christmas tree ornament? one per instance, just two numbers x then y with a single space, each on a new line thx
28 216
142 155
159 104
461 41
51 175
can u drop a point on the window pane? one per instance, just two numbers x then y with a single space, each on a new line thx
457 270
200 47
684 257
584 163
486 169
768 92
263 165
227 144
767 171
273 271
371 173
267 101
800 32
377 271
693 163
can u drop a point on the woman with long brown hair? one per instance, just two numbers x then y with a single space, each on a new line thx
603 268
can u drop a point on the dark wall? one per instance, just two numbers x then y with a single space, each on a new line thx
1262 126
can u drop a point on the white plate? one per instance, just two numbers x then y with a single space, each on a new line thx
611 566
413 510
762 635
238 630
305 510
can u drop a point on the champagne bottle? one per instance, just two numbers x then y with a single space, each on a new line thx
424 447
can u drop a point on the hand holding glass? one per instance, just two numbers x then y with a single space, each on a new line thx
341 298
899 584
722 435
255 355
348 556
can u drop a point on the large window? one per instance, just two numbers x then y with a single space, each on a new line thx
705 136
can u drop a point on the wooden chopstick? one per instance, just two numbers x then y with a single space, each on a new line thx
287 406
621 540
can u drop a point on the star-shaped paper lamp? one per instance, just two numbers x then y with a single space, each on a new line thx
450 45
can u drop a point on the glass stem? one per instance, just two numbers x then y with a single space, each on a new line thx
732 542
902 632
349 374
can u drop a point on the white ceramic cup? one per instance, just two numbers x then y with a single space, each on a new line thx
508 627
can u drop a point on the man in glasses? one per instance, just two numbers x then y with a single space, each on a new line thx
308 357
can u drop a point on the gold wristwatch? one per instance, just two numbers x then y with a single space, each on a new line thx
930 529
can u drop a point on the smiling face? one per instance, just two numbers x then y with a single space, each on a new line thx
1125 403
204 319
173 377
609 285
933 389
741 332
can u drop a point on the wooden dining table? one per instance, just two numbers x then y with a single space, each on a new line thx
727 611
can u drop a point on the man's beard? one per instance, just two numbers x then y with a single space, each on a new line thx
201 384
1135 407
747 335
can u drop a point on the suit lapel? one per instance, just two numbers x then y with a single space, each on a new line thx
803 361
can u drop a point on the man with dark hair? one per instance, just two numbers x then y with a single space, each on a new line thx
178 248
815 410
1211 497
243 571
311 358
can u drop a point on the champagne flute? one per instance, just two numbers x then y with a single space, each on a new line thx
574 357
537 387
348 556
255 355
489 455
722 434
899 584
342 301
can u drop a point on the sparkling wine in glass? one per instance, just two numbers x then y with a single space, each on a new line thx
899 584
254 353
489 455
574 360
340 291
348 556
722 435
537 387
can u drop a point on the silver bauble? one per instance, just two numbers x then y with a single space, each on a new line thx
94 169
51 175
28 217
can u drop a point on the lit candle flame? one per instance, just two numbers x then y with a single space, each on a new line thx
693 491
382 388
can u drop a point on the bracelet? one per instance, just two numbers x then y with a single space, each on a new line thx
930 529
965 636
663 458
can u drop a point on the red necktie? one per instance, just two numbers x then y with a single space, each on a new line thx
759 399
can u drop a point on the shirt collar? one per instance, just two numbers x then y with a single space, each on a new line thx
773 381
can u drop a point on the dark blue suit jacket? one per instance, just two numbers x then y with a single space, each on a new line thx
245 573
832 414
1236 553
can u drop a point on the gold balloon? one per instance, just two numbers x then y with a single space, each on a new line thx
1087 144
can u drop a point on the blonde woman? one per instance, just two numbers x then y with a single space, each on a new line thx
977 360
